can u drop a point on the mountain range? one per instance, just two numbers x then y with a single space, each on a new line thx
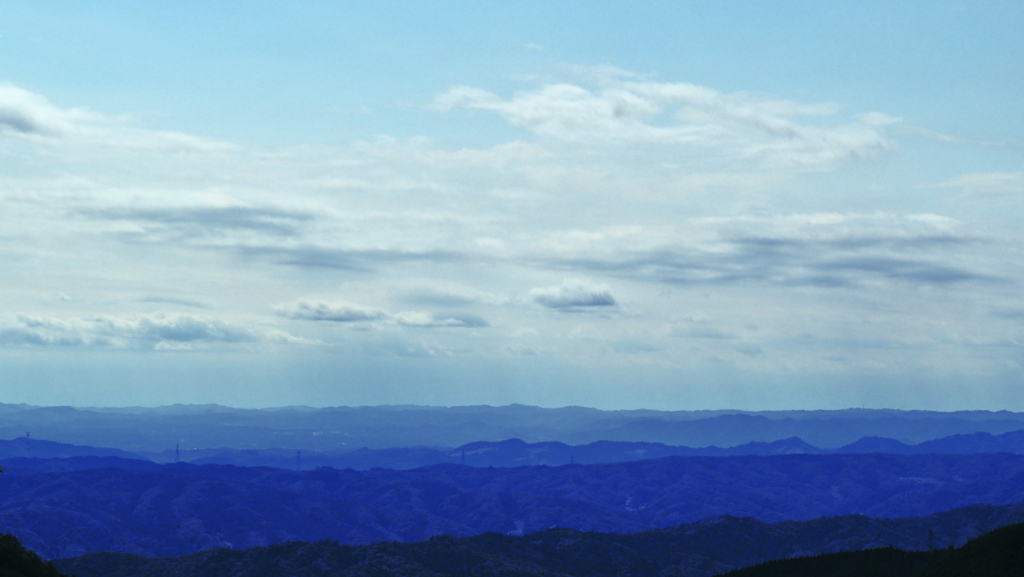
512 452
172 509
158 431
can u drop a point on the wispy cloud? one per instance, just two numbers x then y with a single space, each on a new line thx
198 222
23 113
623 110
432 320
343 312
161 331
26 115
338 312
823 250
993 185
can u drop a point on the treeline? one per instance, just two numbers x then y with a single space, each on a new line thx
999 553
565 553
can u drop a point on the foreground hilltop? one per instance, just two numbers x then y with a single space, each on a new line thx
999 553
703 550
16 561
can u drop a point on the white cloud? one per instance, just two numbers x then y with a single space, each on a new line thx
574 295
624 111
352 313
338 312
607 183
424 319
160 331
822 250
1009 185
24 114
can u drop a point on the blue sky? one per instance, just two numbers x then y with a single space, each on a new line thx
673 205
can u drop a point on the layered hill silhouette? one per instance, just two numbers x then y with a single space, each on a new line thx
695 550
519 453
175 509
511 452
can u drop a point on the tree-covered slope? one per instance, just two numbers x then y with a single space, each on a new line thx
16 561
698 550
177 509
999 553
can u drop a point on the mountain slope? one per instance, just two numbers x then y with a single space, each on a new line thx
175 509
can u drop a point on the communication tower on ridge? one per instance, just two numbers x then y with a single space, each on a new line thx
298 460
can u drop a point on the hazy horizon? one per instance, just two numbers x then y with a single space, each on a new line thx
665 205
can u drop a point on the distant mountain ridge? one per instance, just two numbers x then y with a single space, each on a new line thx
518 453
344 429
44 449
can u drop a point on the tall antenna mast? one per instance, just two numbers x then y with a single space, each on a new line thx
298 460
177 455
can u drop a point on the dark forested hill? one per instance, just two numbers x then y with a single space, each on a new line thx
16 561
999 553
176 509
697 550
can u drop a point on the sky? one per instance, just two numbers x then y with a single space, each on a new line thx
665 205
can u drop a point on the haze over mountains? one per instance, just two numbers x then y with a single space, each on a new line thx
508 453
346 429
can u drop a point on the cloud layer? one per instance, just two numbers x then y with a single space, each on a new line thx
614 222
162 331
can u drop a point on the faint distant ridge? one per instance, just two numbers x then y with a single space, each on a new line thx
43 449
506 453
156 431
519 453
